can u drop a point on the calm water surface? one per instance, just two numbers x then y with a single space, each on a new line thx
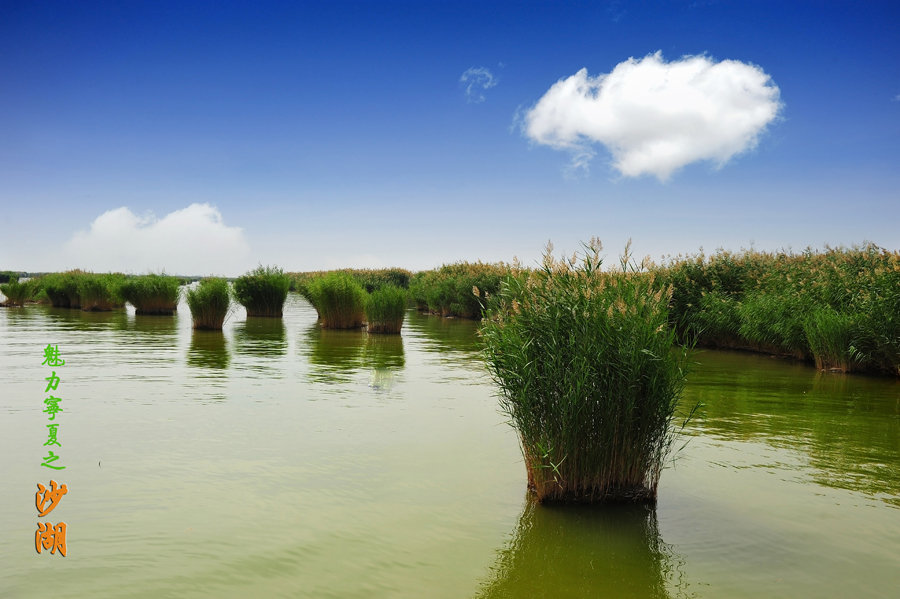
282 459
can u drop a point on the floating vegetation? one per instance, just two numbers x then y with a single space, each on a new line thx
152 294
385 309
589 376
209 303
263 291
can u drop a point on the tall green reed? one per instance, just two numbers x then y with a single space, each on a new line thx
17 293
339 299
263 291
152 294
385 309
209 303
589 375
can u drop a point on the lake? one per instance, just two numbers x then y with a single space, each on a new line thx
281 459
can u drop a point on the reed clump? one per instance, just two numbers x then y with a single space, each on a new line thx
369 278
447 291
263 291
339 299
209 303
99 292
62 288
152 294
589 375
385 309
17 293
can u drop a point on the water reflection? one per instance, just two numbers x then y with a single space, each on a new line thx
847 426
383 356
261 337
149 328
208 350
445 334
73 319
585 551
334 355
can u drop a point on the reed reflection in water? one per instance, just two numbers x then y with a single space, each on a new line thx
208 350
383 357
261 337
585 551
338 356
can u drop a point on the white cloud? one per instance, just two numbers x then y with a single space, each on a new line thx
656 116
476 80
193 240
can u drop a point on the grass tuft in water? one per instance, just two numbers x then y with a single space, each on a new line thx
152 294
99 292
263 291
17 293
385 309
209 303
339 299
589 375
830 335
62 288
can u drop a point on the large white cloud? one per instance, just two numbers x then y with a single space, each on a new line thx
654 116
193 240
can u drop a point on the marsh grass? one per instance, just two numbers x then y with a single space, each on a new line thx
263 291
829 335
99 292
339 299
17 293
209 303
62 288
369 278
152 294
839 308
385 309
447 291
589 376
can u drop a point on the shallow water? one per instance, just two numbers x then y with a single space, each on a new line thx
279 458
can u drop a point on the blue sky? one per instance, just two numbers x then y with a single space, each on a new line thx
206 138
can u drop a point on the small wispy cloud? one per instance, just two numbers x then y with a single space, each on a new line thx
897 98
654 116
475 82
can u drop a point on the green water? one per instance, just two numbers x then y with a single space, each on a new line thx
280 459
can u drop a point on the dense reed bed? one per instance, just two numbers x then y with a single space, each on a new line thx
589 375
152 294
61 289
385 309
100 292
839 308
448 290
339 299
209 303
369 278
17 293
263 291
